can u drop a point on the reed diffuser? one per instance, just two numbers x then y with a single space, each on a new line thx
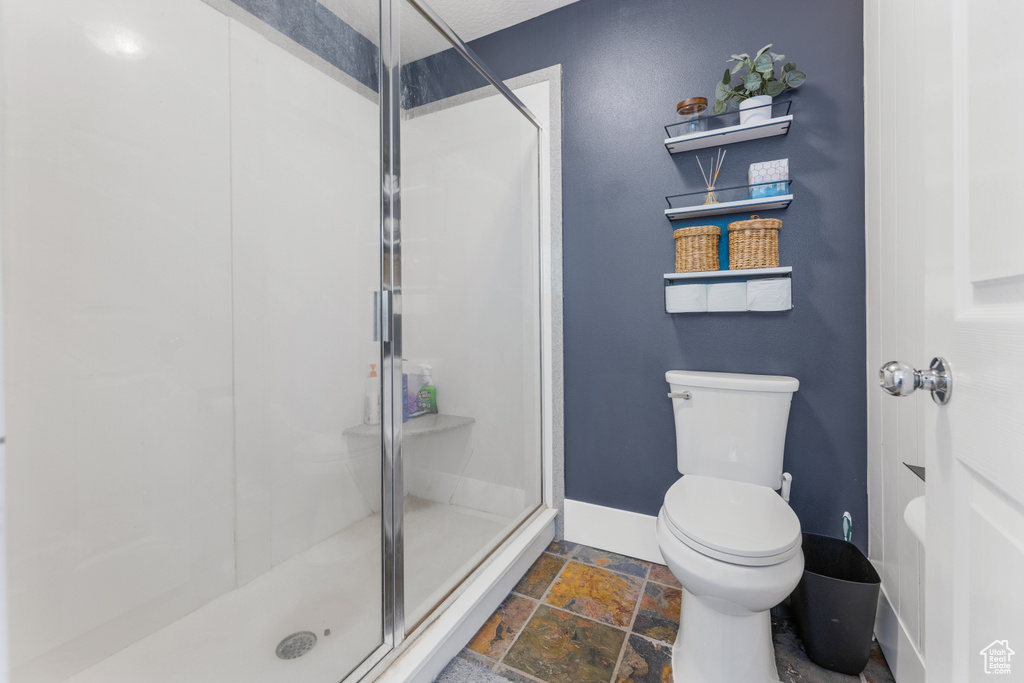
710 179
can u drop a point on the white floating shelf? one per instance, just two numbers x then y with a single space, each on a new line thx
729 135
745 274
739 206
415 426
753 290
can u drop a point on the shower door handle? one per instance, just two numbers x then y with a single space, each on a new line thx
381 316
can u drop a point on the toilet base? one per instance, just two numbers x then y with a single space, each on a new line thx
714 647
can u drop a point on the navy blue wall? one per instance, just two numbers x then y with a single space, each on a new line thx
625 65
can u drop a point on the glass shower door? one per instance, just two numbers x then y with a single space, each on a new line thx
470 315
307 255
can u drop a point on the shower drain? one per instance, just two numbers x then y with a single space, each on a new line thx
296 645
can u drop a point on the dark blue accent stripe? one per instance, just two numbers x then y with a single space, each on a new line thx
438 76
320 31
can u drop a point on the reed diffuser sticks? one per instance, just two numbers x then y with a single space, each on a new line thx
711 178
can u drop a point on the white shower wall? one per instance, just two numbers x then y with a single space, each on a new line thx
117 305
190 241
305 179
471 296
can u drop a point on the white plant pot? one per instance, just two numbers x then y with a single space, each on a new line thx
750 114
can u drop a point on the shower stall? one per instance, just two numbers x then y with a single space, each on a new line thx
228 226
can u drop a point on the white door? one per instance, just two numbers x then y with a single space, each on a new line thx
971 234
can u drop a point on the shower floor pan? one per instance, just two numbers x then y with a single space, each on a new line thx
235 636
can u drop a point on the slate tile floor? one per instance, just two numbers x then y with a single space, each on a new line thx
582 615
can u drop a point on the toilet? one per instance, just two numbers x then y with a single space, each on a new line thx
724 530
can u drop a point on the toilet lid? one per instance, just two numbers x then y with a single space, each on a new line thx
733 521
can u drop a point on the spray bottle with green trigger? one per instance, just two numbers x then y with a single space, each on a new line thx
427 397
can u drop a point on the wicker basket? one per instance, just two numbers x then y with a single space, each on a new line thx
754 243
697 248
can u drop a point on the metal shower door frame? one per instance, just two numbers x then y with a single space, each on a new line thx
390 312
392 500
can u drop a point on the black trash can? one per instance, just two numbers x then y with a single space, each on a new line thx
835 604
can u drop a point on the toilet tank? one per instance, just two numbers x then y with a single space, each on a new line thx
731 426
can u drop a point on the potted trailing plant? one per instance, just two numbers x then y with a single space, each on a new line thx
758 86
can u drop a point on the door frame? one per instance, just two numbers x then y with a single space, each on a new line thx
894 285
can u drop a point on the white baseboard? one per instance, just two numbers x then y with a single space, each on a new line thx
432 649
904 660
620 531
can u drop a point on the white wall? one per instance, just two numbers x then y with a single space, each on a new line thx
895 302
305 179
471 295
117 305
190 235
4 677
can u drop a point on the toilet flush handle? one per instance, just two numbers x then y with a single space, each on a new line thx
685 395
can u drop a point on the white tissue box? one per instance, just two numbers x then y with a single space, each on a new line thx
770 294
727 296
768 171
686 298
764 176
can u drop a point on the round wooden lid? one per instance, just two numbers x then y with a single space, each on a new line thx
693 105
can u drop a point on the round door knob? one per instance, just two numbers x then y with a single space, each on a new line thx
901 379
898 379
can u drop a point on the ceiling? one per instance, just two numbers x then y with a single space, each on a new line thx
470 19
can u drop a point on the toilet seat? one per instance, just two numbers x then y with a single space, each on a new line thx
736 522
